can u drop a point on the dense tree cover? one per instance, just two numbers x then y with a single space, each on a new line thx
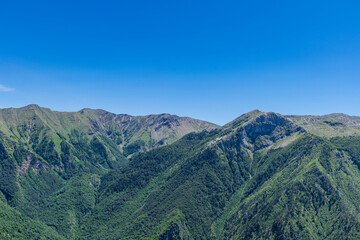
7 174
51 163
134 147
233 190
259 177
14 226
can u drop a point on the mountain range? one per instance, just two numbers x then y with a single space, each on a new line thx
97 175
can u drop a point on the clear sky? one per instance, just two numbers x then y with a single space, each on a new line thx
212 60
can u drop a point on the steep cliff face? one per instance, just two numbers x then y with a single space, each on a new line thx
269 128
258 131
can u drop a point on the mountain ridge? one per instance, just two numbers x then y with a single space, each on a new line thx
93 175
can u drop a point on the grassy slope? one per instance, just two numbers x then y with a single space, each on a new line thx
332 125
194 186
259 177
241 182
51 162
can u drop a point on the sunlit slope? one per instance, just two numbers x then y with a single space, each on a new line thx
51 162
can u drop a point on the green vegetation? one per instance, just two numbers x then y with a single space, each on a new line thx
51 163
262 176
16 226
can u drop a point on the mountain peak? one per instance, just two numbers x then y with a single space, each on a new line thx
31 107
255 111
91 110
244 118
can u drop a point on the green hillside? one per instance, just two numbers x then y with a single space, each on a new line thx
261 176
51 162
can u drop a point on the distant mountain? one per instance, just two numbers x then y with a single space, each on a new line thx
332 125
148 131
44 153
97 175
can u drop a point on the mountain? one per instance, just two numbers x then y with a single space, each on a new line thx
261 176
51 162
332 125
149 131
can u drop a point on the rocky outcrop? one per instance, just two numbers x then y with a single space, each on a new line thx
271 124
24 166
261 130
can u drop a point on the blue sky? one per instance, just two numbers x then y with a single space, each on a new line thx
212 60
